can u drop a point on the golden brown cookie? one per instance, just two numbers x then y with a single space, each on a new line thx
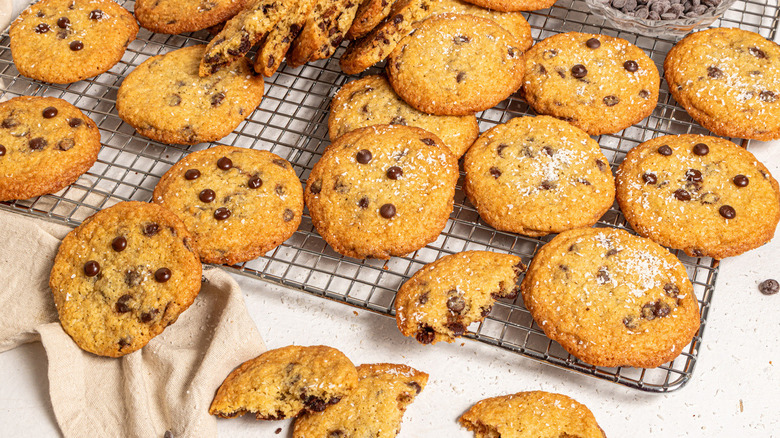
368 15
611 298
704 195
123 276
64 41
372 101
238 203
538 175
45 145
598 83
513 5
179 16
443 298
382 191
285 382
728 80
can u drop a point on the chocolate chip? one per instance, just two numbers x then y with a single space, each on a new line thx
714 72
649 178
270 62
217 99
151 229
121 304
425 334
741 181
363 156
74 123
495 172
662 309
398 120
387 211
38 143
511 52
221 214
336 434
173 100
280 162
316 187
133 278
428 141
456 304
42 28
767 96
363 202
579 71
548 185
631 66
593 43
460 39
416 386
124 342
602 277
162 275
398 19
192 174
9 123
280 190
665 150
644 94
500 149
255 182
315 404
601 165
456 327
682 195
288 215
96 14
611 252
671 290
91 268
701 149
119 244
709 198
769 287
548 150
648 311
225 163
758 53
76 45
611 100
394 172
693 186
693 175
147 317
460 77
630 322
549 54
2 150
49 112
66 144
340 187
63 22
727 212
207 195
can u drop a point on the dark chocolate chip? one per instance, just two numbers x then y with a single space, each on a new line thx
701 149
270 62
714 72
398 120
631 66
398 19
682 195
49 112
124 342
460 39
648 311
649 178
387 211
162 275
579 71
66 144
225 163
644 94
96 14
727 212
662 309
457 328
741 181
363 156
2 150
280 189
394 172
511 52
611 252
75 123
758 53
288 215
207 195
428 141
280 162
221 214
9 123
173 100
456 304
151 229
363 202
769 287
602 276
91 268
601 165
192 174
121 304
665 150
548 185
38 143
767 96
416 386
42 28
217 99
630 322
593 43
147 317
693 175
76 45
671 290
133 278
611 100
63 22
548 150
315 404
119 244
495 172
255 182
460 77
500 149
425 334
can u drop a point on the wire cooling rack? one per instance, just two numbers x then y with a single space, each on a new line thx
292 122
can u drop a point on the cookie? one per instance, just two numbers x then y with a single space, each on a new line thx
598 83
382 191
165 99
123 276
456 64
611 298
728 80
538 175
532 414
45 145
704 195
372 101
443 298
64 41
241 33
285 382
323 32
375 408
380 42
179 16
237 203
368 15
513 5
280 38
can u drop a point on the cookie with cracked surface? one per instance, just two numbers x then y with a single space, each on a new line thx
238 203
405 14
443 298
374 408
123 276
381 191
165 99
611 298
285 382
45 145
704 195
368 15
179 16
456 64
323 32
513 5
64 41
532 414
598 83
372 101
242 32
280 38
538 175
728 80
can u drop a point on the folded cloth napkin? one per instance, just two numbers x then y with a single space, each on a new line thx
165 387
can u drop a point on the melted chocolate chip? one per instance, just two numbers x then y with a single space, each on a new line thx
75 123
767 96
500 149
611 252
9 123
42 28
769 287
91 268
416 386
221 214
280 190
701 149
121 304
601 165
456 304
741 181
423 298
49 112
119 244
644 94
288 215
671 290
162 275
630 322
727 212
225 163
693 175
511 52
653 310
394 172
649 178
682 195
124 342
315 404
207 195
631 66
428 141
387 211
133 278
147 317
593 43
714 72
151 229
602 276
758 53
460 77
316 187
548 151
66 144
611 100
2 150
425 334
548 185
255 182
38 143
579 71
495 172
665 150
76 45
173 100
363 156
217 99
96 14
398 120
457 328
63 22
280 162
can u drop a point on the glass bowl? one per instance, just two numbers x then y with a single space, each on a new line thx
656 28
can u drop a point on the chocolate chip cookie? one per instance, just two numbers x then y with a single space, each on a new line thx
64 41
368 15
238 203
123 276
382 191
443 298
372 101
323 32
538 175
513 5
598 83
179 16
278 41
728 80
285 382
532 414
611 298
45 145
165 99
456 64
375 408
704 195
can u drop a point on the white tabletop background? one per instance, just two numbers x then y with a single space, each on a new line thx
735 388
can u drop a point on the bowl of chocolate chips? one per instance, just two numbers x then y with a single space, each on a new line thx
660 18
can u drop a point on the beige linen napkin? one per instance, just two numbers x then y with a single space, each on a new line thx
166 386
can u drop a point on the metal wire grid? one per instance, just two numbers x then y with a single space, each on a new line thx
292 122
